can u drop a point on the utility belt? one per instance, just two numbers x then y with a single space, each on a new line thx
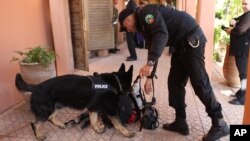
192 39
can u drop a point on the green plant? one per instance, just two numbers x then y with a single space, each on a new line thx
38 54
225 11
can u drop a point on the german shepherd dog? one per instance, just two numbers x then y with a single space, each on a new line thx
76 92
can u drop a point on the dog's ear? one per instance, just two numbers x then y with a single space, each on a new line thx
130 70
122 68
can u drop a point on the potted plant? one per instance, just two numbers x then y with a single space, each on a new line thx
37 64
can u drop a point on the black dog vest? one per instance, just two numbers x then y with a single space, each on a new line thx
99 86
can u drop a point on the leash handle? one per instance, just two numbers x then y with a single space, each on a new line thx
153 98
141 91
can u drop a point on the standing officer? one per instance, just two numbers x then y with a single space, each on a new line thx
115 26
131 36
165 25
239 47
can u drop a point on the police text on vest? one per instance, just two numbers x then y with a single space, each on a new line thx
99 86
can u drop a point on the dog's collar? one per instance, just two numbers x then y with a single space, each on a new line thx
119 83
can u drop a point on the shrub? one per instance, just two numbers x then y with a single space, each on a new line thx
38 54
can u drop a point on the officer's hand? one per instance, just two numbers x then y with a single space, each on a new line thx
145 71
232 22
229 29
148 87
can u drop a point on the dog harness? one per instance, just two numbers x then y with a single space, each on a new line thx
99 86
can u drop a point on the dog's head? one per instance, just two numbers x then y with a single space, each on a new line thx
121 80
125 77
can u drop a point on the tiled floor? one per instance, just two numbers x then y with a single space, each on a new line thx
14 123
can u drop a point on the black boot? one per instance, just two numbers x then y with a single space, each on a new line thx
112 50
239 100
179 125
116 49
219 129
237 93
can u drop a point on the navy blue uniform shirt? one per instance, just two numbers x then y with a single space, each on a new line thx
163 26
240 36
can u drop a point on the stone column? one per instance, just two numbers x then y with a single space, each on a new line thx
60 21
205 17
246 118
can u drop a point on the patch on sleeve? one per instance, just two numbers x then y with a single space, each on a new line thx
149 19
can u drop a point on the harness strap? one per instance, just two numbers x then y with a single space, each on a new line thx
92 84
138 110
119 83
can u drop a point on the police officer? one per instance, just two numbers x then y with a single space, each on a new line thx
131 37
239 47
165 25
115 26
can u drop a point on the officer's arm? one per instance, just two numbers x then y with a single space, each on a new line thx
242 26
155 25
156 28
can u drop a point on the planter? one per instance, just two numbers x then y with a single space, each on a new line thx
230 70
34 73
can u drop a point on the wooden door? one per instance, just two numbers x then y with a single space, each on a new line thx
99 25
91 28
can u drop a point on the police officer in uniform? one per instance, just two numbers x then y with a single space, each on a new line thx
131 37
115 26
239 47
163 26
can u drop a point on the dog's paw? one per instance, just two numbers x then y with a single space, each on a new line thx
41 137
70 124
99 130
101 126
62 126
130 134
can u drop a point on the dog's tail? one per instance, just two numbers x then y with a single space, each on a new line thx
21 84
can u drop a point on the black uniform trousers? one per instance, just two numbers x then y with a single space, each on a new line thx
241 63
188 62
131 44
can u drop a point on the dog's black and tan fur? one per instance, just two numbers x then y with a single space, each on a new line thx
75 91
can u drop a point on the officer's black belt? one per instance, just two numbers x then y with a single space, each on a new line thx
192 31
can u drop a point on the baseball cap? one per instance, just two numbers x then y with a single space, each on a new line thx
122 16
